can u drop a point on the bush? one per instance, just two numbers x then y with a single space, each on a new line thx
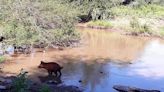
28 22
94 9
20 83
2 59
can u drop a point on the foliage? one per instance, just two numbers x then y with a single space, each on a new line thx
45 88
20 84
38 21
104 9
51 22
95 9
136 27
2 59
100 23
161 31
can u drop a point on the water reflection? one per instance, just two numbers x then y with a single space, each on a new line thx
91 63
104 44
50 79
88 76
151 63
93 74
101 77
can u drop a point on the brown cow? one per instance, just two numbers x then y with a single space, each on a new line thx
51 67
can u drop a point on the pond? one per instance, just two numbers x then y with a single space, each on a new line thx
103 59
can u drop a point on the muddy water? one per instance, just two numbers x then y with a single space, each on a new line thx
104 59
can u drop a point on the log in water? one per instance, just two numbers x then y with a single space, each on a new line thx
122 88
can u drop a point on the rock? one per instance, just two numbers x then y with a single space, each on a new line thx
134 34
121 88
1 52
10 50
3 87
2 38
52 82
2 79
10 75
80 81
5 80
64 88
147 35
130 63
60 48
8 81
34 84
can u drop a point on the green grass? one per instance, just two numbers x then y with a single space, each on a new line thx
161 31
45 88
137 28
2 59
149 11
100 23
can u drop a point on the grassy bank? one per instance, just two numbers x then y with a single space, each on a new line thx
146 20
99 23
131 26
145 11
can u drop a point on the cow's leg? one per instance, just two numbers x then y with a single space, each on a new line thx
59 72
49 73
56 73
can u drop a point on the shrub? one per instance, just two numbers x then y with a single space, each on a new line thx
20 83
28 22
2 59
95 9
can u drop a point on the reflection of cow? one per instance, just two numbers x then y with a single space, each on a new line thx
50 79
2 38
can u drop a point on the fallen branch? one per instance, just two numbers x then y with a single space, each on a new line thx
121 88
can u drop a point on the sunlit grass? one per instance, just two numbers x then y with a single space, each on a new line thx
100 23
138 28
150 11
161 31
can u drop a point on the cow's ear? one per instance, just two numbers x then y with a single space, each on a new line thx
41 62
